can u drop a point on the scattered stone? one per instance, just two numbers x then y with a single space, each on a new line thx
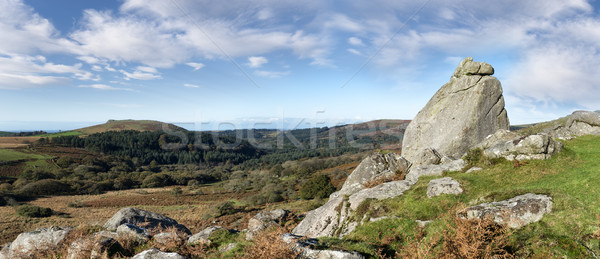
203 237
423 223
445 185
146 219
264 220
168 239
459 116
579 123
514 213
154 253
40 240
473 169
539 146
94 247
228 247
133 232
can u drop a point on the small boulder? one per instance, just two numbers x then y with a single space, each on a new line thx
134 232
146 219
40 240
514 213
154 253
168 239
579 123
203 237
94 246
473 169
445 185
539 146
264 220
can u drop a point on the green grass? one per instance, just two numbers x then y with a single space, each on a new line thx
7 155
571 178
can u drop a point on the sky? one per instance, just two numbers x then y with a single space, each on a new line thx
285 64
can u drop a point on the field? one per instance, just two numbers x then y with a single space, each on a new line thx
13 142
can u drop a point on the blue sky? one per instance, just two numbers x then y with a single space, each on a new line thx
65 64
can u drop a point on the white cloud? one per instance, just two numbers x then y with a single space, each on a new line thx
271 74
196 66
103 87
353 51
256 62
96 68
124 105
142 73
264 14
355 41
191 85
89 59
22 71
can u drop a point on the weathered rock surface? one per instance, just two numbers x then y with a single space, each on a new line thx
445 185
579 123
40 240
94 246
142 218
434 170
459 116
133 232
473 169
306 250
264 220
203 237
157 254
331 218
168 239
515 213
373 167
379 192
539 146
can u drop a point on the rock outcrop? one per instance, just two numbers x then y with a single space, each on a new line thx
264 220
95 246
459 116
41 240
514 213
203 237
332 219
145 219
445 185
579 123
511 146
306 249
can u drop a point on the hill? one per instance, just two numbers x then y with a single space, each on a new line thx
119 125
4 133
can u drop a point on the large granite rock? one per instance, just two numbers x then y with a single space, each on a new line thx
332 219
434 170
579 123
514 213
510 146
264 220
151 221
41 240
459 116
203 237
305 249
445 185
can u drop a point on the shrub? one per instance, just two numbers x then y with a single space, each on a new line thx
269 244
226 208
32 211
64 161
319 186
476 238
45 187
156 180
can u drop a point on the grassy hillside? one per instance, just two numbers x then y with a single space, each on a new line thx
4 133
118 125
571 178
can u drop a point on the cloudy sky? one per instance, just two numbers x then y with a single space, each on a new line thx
67 63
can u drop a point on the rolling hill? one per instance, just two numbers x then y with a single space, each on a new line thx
118 125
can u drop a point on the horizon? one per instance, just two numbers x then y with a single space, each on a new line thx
70 64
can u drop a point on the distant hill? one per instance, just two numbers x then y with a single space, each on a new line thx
4 133
138 125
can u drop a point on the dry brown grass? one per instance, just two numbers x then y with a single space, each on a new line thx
269 244
12 142
476 238
398 176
